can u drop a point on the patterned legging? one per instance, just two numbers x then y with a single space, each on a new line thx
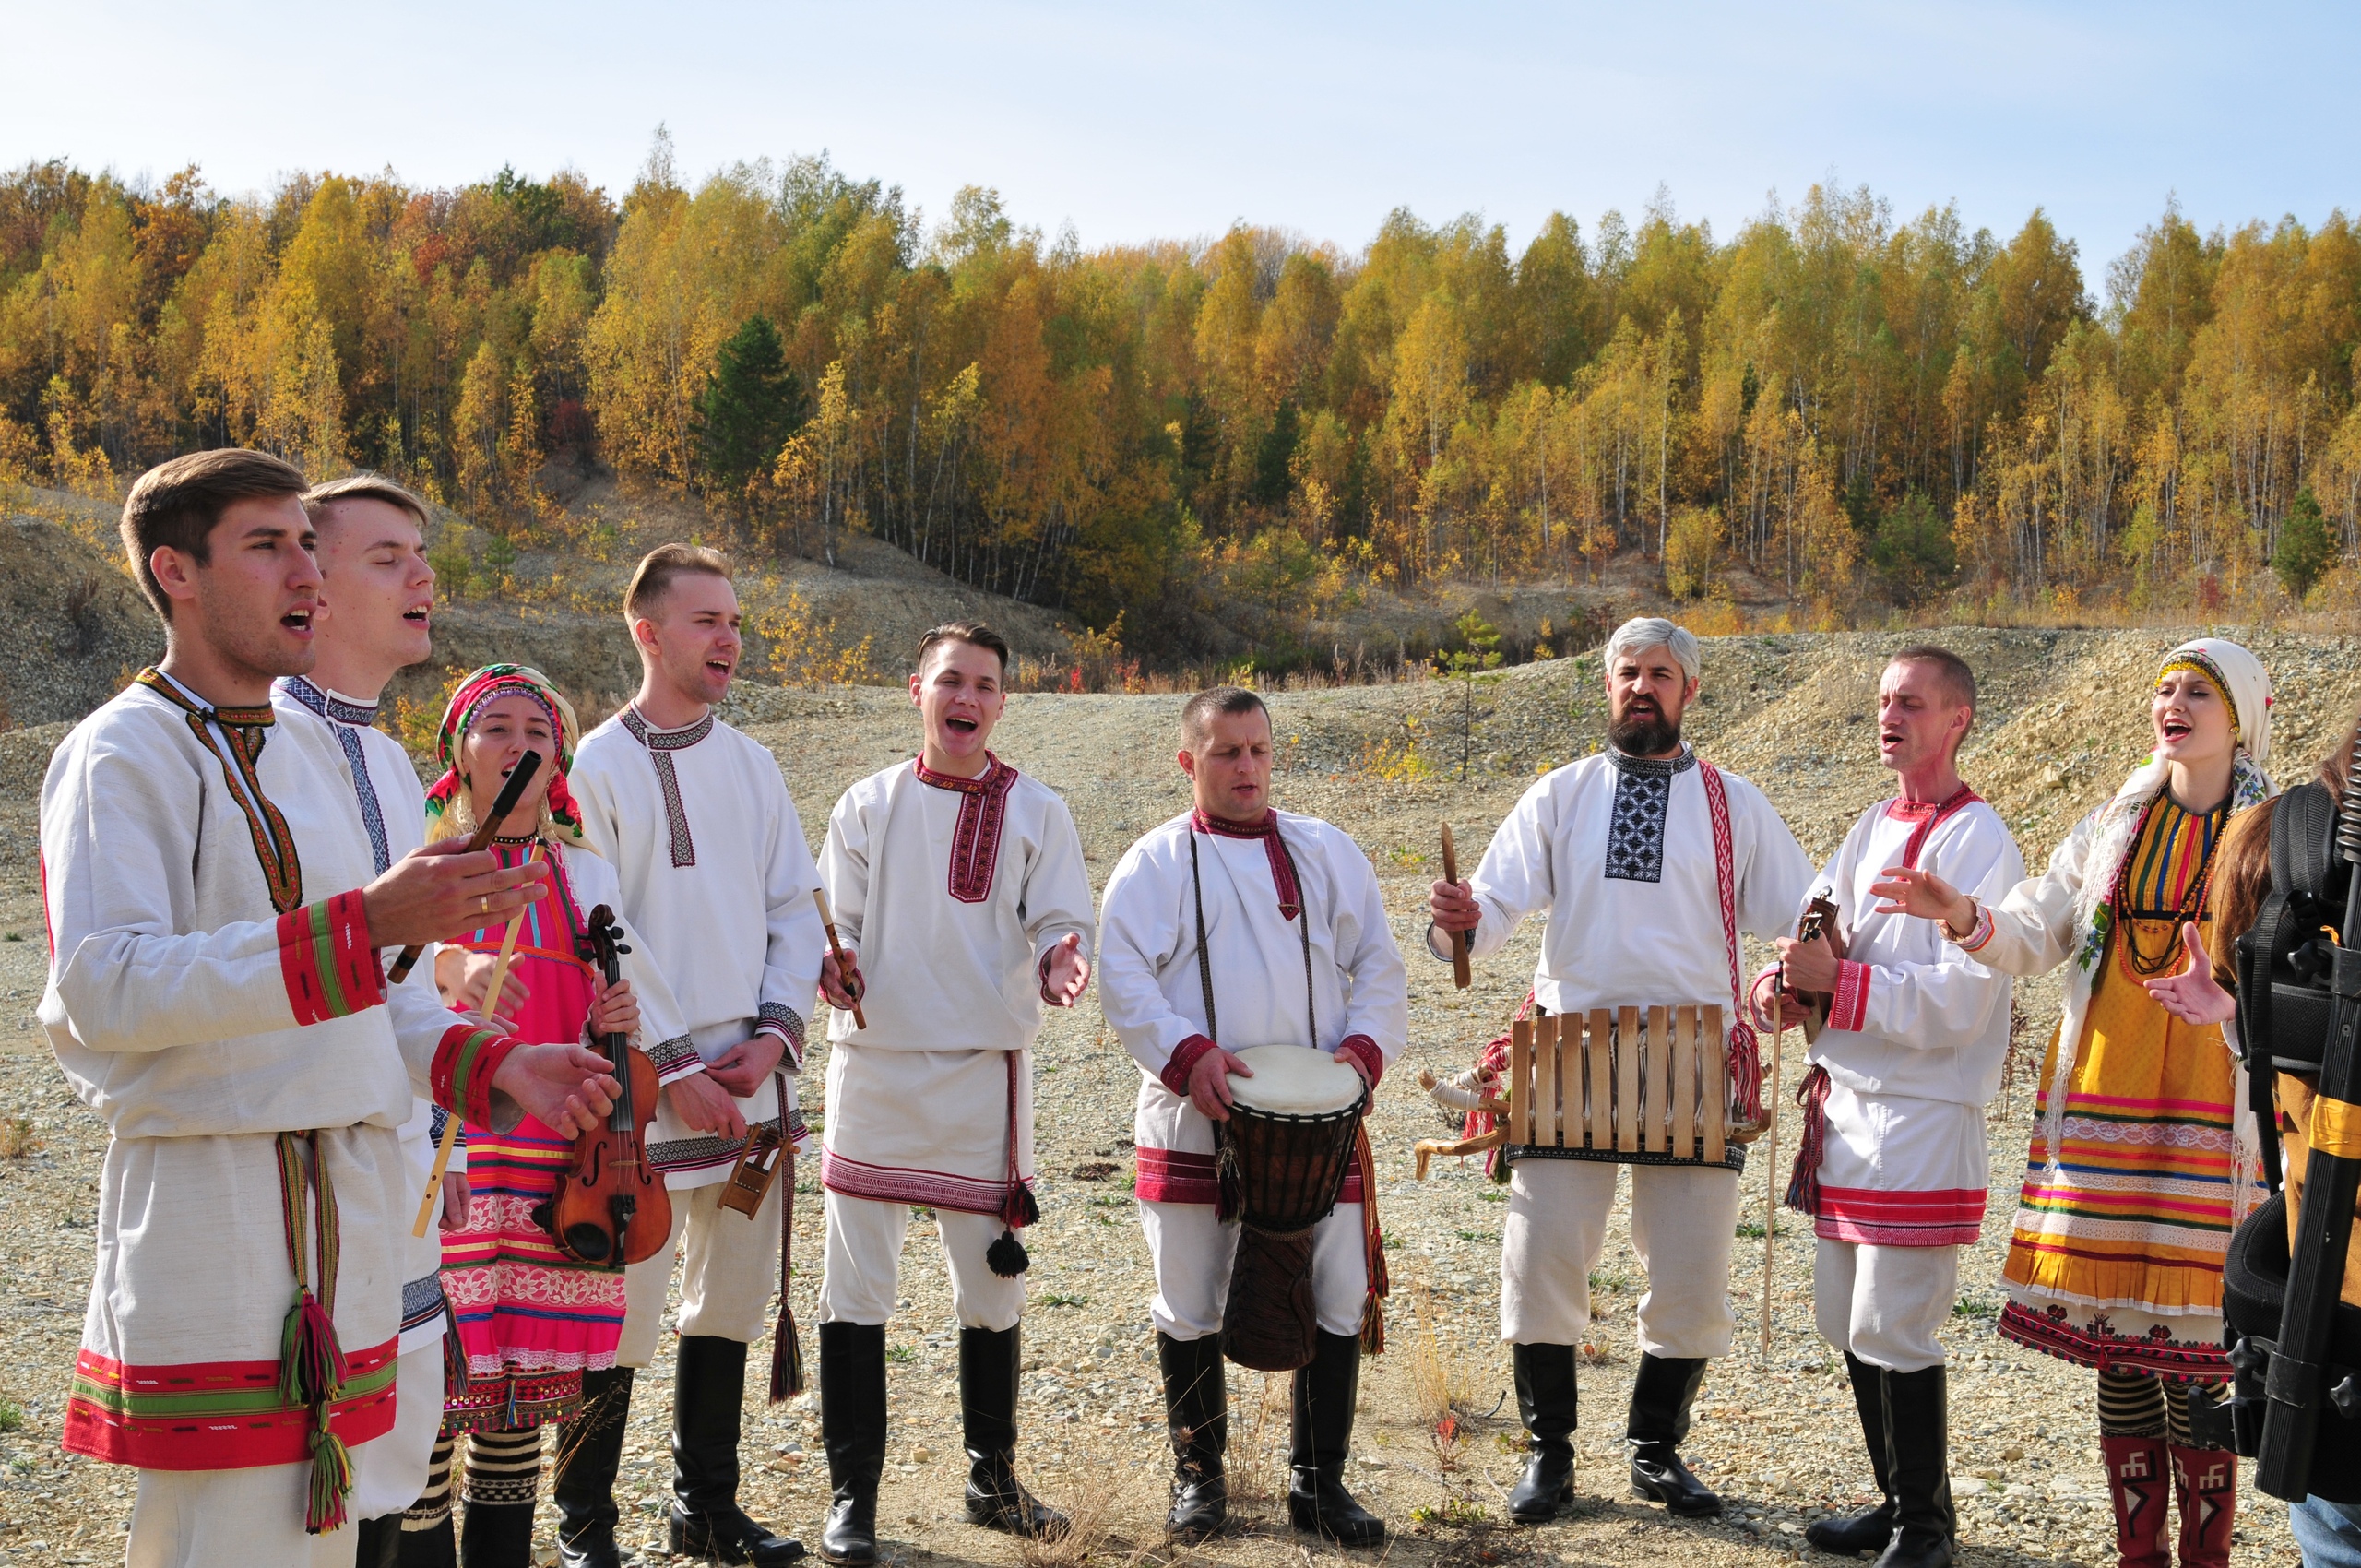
2136 1403
503 1469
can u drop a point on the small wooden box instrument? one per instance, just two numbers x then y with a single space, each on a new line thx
1642 1084
750 1180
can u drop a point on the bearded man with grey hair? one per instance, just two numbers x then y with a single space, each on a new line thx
1647 862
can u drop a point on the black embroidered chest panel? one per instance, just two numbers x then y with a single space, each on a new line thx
1635 827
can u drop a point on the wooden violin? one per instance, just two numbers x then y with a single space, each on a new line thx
611 1206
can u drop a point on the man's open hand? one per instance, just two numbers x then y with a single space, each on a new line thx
443 891
704 1106
1064 972
567 1087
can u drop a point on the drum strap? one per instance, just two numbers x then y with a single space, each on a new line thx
1303 930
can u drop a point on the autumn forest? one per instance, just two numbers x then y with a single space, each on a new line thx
1853 415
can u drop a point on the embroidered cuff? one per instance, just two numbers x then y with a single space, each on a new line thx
1762 998
1977 939
1850 1008
326 961
1365 1051
463 1063
1184 1059
779 1018
675 1060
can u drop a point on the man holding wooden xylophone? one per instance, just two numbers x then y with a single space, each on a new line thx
1906 1054
1272 923
1648 862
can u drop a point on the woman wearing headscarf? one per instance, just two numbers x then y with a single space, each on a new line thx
2140 1166
530 1319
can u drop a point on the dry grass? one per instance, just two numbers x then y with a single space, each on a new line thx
1256 1464
1114 1515
18 1138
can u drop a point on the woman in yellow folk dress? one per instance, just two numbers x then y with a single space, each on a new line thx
2138 1168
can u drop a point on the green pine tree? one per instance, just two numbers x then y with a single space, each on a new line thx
2305 547
751 404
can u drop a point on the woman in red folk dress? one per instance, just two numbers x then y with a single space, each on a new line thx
531 1320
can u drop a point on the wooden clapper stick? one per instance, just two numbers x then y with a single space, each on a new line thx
837 950
451 1127
1459 975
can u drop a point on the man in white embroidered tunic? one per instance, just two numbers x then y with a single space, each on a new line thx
1649 863
242 1045
960 895
377 596
1292 921
1893 1165
695 819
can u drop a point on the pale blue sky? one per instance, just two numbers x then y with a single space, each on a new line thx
1137 122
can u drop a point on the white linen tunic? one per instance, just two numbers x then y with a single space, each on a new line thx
1917 1034
718 879
950 893
199 1022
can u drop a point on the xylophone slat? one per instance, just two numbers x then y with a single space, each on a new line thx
1546 1050
1627 1079
1599 1123
1684 1082
1521 1081
1716 1057
1653 1062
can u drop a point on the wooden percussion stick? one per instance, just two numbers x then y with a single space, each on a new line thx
1459 975
451 1126
844 965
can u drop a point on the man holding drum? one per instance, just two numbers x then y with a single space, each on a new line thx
1648 862
1267 927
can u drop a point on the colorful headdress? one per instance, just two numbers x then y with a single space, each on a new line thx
2243 683
444 801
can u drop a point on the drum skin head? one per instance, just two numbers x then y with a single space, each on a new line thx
1293 1080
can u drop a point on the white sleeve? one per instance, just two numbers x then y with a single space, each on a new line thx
1057 886
1140 933
1378 1003
1517 876
2030 931
1776 878
844 867
791 961
1947 1004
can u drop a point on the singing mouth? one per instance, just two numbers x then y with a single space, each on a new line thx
419 616
2174 730
1890 737
960 726
721 666
297 620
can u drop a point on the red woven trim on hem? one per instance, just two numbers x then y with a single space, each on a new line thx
1185 1056
216 1415
2052 1334
890 1183
1850 1009
1943 1217
464 1060
1176 1176
1365 1050
326 961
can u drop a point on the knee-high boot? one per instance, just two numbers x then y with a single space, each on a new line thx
852 1430
428 1539
989 1360
1661 1393
1873 1531
709 1390
1918 1424
1196 1414
1544 1400
582 1485
1319 1440
2135 1478
2206 1481
503 1480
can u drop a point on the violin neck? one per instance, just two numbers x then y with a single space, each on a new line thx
617 1051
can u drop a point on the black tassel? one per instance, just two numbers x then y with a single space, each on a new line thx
1007 1256
787 1359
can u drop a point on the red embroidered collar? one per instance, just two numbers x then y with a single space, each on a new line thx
1928 816
983 816
1282 864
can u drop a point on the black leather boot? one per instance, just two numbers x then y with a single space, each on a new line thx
1545 1399
377 1543
590 1451
989 1360
1918 1448
1320 1438
1661 1395
852 1430
496 1535
1868 1531
708 1389
435 1546
1196 1413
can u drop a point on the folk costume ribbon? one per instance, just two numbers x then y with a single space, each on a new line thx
235 735
445 801
311 1366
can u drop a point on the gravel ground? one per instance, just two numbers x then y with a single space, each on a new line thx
1777 1437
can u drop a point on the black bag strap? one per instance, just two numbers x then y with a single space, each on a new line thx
1303 929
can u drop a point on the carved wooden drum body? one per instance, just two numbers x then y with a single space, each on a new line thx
1282 1158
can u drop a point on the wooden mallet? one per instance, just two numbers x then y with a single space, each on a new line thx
510 794
451 1126
836 948
1459 975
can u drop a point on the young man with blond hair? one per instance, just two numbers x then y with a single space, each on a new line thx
961 897
215 994
695 819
